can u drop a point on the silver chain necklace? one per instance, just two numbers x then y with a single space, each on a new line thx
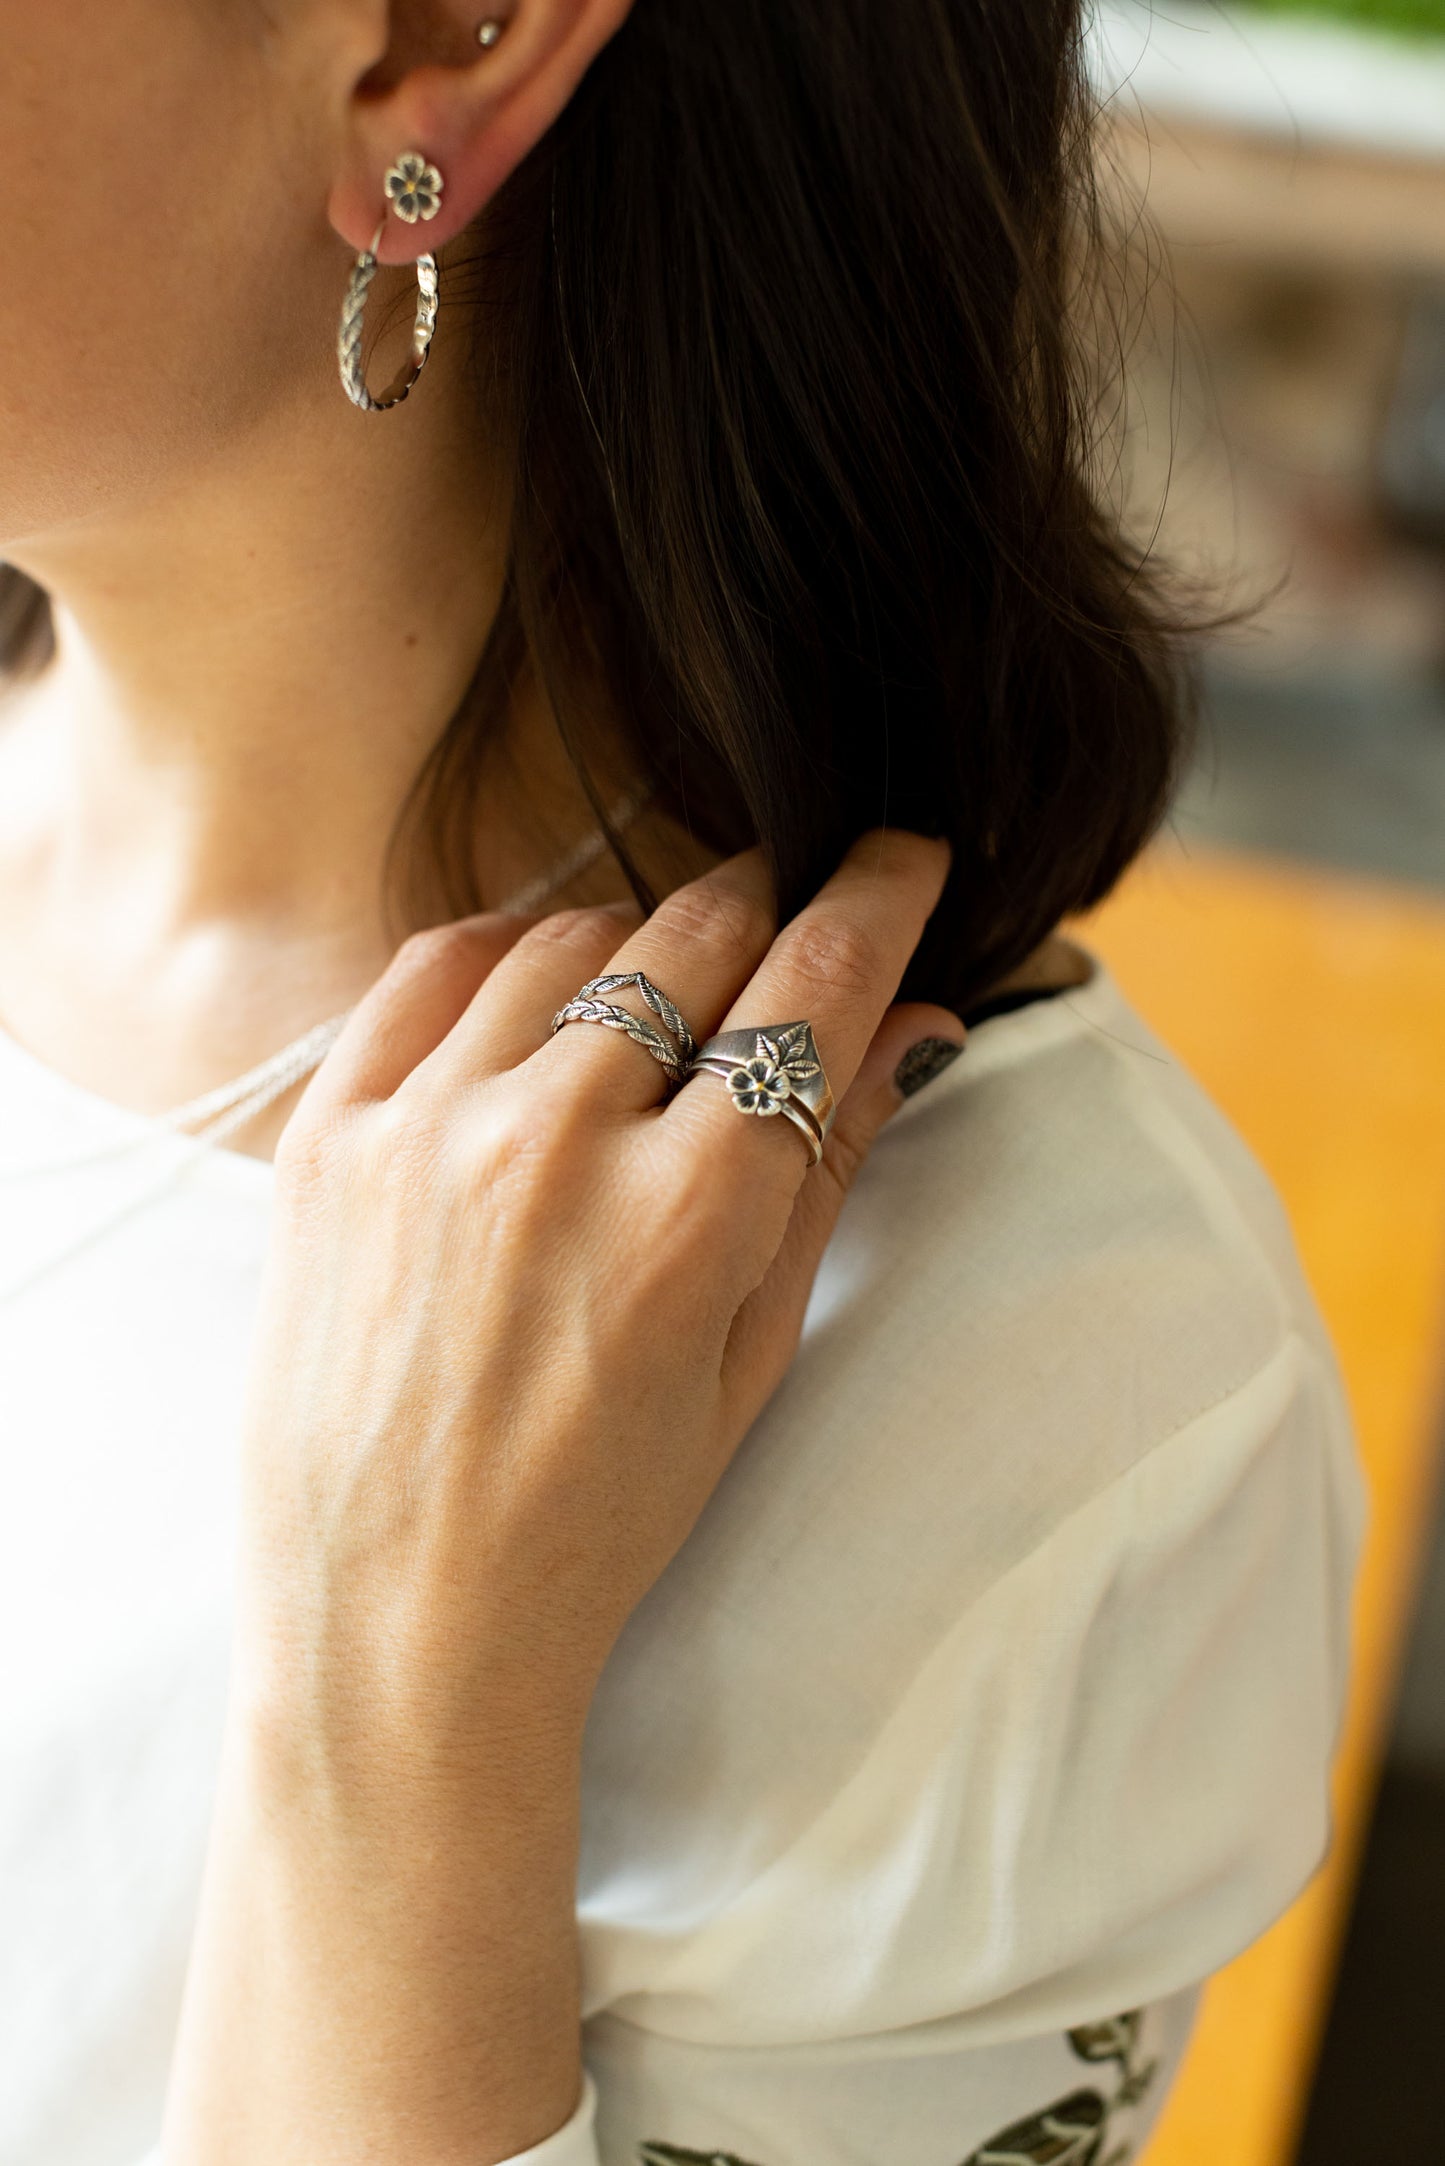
218 1113
203 1123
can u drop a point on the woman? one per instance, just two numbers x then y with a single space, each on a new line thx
599 1650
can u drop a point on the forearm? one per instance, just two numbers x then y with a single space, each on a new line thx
451 1507
385 1966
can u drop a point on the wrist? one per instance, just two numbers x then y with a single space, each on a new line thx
387 1955
363 1750
451 1707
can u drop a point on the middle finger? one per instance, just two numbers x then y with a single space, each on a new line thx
836 966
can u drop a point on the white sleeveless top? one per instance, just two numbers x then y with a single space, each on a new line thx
989 1707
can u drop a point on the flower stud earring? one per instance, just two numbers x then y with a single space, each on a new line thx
414 187
413 190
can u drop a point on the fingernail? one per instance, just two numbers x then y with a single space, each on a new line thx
922 1062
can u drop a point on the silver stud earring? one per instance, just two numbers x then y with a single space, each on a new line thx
489 32
413 187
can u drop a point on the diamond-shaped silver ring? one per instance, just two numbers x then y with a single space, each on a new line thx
773 1071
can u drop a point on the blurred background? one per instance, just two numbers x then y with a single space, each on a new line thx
1287 933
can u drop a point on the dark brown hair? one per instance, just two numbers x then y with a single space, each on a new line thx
782 319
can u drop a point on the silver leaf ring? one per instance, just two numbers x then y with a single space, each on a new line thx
587 1006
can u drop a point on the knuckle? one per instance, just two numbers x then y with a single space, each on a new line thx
425 1147
399 1135
503 1150
589 928
552 1108
725 920
717 1162
695 1243
309 1150
438 950
433 943
841 955
681 1235
418 1145
542 1099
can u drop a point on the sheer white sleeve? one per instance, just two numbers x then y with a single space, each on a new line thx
1105 1782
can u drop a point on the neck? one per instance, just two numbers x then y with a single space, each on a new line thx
248 677
197 793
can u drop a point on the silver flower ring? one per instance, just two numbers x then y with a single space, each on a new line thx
774 1071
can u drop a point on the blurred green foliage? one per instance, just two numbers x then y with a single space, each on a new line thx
1427 16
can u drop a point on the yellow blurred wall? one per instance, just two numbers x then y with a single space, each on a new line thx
1312 1007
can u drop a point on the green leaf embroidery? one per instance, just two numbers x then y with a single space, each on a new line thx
1072 2131
671 2154
1069 2133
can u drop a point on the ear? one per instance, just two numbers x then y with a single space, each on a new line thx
473 112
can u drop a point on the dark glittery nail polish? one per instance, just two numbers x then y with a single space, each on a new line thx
922 1062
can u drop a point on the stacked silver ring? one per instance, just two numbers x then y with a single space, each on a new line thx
588 1007
774 1071
768 1072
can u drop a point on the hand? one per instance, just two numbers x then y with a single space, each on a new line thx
521 1311
521 1307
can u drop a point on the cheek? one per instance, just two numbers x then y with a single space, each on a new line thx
145 225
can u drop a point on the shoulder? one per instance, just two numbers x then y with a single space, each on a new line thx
1060 1254
1022 1608
1053 1265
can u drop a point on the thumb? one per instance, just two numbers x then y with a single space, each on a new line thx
913 1043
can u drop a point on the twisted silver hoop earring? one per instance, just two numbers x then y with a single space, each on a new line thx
413 188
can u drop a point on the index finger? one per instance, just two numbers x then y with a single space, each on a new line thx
836 966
